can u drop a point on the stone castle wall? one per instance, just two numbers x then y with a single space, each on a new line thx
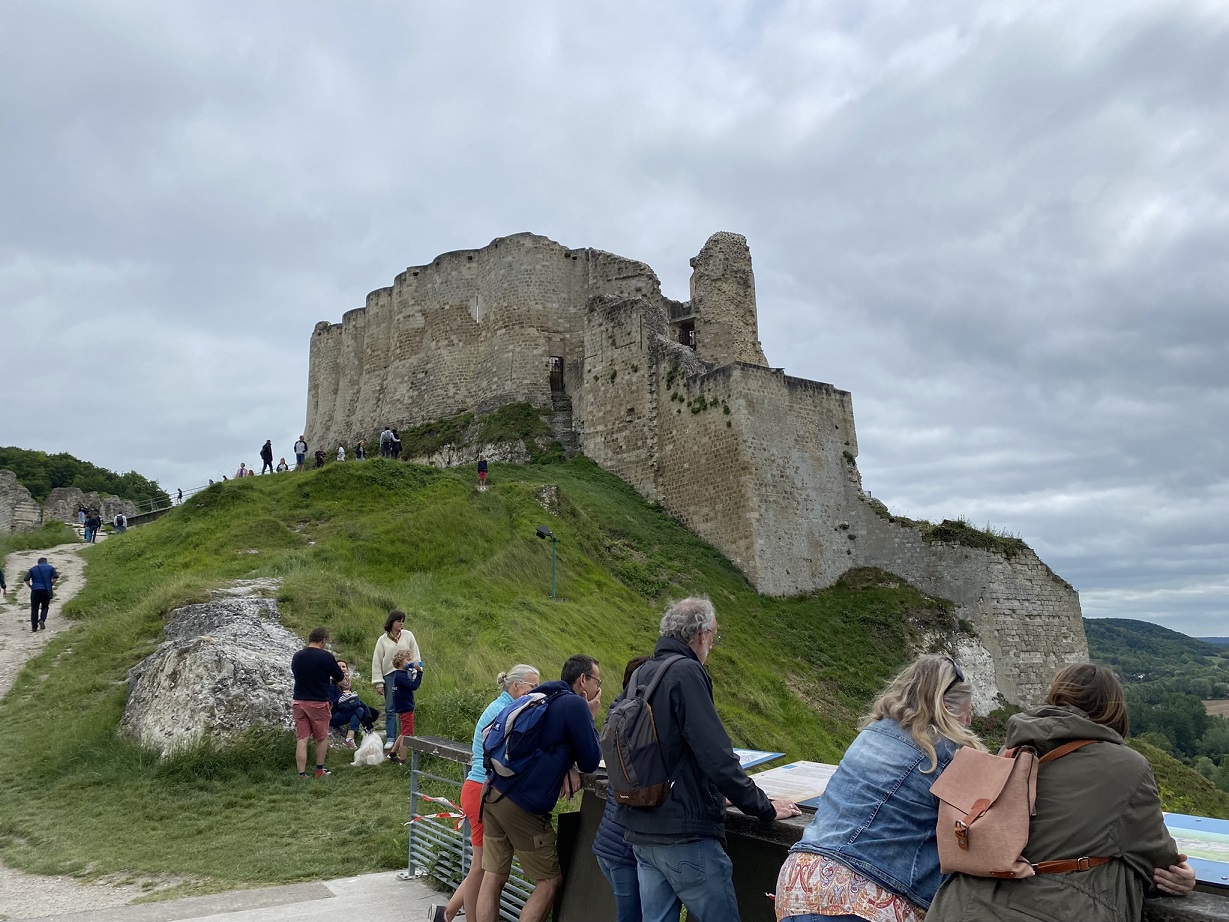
677 399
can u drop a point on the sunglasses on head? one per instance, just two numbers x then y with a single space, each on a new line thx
960 676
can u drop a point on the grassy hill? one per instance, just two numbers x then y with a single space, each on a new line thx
350 542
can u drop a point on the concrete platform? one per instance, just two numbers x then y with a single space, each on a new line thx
382 897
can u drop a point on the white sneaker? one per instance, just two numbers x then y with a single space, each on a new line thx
435 913
388 744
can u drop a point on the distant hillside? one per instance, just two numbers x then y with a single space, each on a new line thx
1220 641
1143 652
40 473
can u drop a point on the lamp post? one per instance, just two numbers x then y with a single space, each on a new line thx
545 533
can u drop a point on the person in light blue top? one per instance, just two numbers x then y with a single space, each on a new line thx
512 684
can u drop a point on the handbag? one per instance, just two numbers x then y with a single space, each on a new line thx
985 804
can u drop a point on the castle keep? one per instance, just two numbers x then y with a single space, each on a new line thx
677 399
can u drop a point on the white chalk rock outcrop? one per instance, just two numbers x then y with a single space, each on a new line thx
62 504
224 668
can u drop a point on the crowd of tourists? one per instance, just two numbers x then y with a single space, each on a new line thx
1093 850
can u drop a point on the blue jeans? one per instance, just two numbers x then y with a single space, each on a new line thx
698 875
391 725
626 886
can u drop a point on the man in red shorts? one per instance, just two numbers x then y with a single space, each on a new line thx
314 668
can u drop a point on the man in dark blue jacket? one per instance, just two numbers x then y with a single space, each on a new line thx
41 579
516 811
680 858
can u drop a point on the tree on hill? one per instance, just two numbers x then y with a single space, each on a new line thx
40 473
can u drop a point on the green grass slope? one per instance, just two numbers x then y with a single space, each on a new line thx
350 542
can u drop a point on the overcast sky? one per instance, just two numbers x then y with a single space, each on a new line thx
1004 227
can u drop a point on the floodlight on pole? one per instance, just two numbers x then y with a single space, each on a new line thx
546 534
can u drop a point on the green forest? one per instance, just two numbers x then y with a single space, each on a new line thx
1168 676
40 473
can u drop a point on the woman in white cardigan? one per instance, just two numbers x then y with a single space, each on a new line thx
394 639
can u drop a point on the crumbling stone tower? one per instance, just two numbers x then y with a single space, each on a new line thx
677 399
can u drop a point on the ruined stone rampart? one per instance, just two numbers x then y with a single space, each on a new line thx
677 399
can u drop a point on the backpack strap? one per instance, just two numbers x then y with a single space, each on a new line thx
1066 749
666 664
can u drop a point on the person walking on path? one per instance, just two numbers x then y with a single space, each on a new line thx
360 451
266 456
4 588
314 669
394 639
386 443
341 452
41 579
482 466
300 455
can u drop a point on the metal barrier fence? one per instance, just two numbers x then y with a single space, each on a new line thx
439 846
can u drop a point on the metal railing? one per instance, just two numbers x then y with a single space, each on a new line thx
439 847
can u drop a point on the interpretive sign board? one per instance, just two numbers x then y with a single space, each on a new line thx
800 782
1206 842
749 758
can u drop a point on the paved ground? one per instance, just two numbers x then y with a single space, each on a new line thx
371 898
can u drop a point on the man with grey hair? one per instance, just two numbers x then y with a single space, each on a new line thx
679 846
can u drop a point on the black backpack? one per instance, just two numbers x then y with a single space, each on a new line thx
635 765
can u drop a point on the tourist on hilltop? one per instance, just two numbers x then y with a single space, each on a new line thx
120 522
516 811
360 451
282 466
179 495
300 454
242 472
1117 829
396 445
407 677
341 452
870 851
349 710
615 857
319 457
266 456
386 442
394 639
680 858
314 668
512 684
41 578
482 468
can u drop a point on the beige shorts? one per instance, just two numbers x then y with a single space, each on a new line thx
508 828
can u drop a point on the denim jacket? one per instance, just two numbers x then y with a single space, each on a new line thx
878 816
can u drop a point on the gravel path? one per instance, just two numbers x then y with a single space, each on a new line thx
22 895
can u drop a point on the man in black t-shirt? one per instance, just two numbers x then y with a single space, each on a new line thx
314 669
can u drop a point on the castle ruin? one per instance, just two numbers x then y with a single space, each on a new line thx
677 399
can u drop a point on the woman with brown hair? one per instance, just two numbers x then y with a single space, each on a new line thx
870 852
394 639
1098 803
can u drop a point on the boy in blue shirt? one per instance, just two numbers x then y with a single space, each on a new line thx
407 676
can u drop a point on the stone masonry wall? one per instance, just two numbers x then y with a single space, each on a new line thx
760 464
18 510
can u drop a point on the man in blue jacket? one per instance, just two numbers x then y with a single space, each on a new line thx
41 579
679 846
516 811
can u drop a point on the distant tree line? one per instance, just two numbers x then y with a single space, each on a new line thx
40 473
1167 677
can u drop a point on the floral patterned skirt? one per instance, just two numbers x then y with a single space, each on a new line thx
810 883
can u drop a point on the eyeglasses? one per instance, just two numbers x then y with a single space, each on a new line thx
597 679
716 635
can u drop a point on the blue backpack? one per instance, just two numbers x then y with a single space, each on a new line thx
512 741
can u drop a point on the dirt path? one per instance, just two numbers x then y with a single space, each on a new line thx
22 895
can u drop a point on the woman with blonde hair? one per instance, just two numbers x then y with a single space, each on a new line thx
869 853
512 684
1098 804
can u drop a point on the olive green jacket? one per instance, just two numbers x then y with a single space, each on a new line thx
1099 801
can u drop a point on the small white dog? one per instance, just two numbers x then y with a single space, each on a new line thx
370 751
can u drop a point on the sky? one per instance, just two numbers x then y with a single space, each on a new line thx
1003 227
